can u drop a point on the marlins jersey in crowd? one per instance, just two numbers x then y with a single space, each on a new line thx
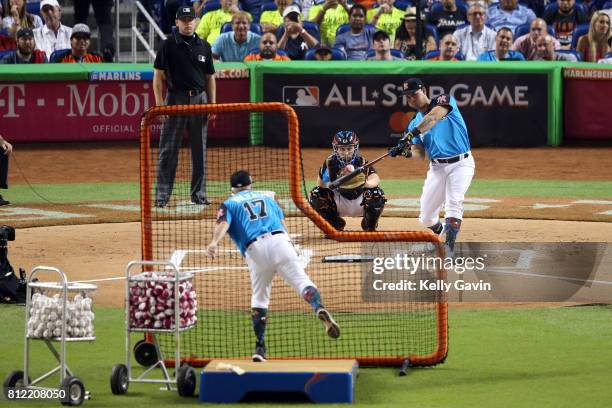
449 137
249 215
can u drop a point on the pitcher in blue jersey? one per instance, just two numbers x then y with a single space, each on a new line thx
255 222
439 130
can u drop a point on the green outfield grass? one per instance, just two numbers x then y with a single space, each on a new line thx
545 357
96 192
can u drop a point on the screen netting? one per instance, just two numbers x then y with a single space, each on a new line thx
378 328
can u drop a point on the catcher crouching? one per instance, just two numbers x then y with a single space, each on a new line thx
358 197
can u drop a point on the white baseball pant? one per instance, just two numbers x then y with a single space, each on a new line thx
348 208
445 184
269 255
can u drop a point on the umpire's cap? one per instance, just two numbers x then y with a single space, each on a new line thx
241 178
412 85
185 11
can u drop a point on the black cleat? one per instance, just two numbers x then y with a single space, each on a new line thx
199 200
161 203
331 327
260 354
3 201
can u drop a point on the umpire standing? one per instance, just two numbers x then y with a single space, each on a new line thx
184 62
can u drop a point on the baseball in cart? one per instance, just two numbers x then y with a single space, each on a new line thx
58 312
159 300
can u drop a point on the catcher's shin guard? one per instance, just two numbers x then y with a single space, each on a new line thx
373 205
322 200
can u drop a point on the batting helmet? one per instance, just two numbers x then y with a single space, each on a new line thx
345 138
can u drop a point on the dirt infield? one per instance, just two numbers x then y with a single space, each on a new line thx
101 251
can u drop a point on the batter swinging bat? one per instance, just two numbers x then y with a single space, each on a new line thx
348 177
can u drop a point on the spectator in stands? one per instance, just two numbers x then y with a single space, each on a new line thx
607 60
17 17
593 46
103 15
475 38
448 49
236 44
25 52
329 16
405 36
382 47
7 42
5 151
565 19
210 25
267 50
53 35
502 50
545 50
270 20
198 6
358 40
509 13
386 17
447 18
526 44
323 53
295 39
80 40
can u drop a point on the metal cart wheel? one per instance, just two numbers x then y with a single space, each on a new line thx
186 381
75 391
119 380
14 380
145 353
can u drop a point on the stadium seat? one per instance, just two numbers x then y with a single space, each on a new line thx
252 6
33 7
268 6
433 31
211 5
578 32
59 54
607 5
311 27
255 27
394 52
4 52
435 53
345 27
337 54
570 52
399 4
523 29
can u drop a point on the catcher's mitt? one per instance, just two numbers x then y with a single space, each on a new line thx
356 182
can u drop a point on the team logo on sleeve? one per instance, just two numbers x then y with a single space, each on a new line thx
441 99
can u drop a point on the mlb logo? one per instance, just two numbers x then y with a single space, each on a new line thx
201 58
301 95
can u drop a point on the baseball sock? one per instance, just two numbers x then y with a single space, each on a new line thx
260 319
452 226
312 296
437 228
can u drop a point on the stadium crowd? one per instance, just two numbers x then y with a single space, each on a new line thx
451 30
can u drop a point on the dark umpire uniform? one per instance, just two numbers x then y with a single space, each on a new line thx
185 62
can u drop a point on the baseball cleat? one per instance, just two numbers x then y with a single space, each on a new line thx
260 354
331 327
199 200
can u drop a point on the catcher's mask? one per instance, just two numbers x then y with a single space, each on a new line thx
346 146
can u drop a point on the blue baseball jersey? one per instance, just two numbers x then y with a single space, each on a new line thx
448 137
249 215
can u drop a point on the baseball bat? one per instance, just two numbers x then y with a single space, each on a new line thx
348 177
